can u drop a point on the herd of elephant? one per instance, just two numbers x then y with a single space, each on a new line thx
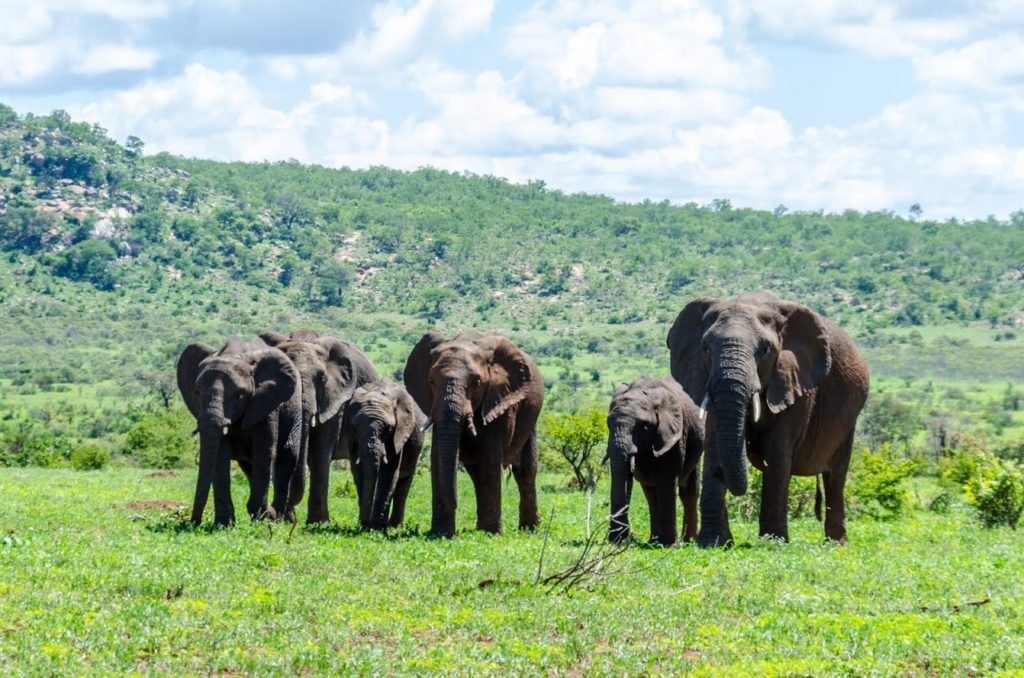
777 384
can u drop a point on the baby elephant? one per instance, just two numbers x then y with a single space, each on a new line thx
655 435
382 435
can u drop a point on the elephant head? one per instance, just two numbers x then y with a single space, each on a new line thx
739 357
229 393
464 384
379 420
329 377
649 417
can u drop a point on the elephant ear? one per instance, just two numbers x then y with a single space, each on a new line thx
669 413
684 339
274 379
273 338
340 378
507 382
408 418
417 369
347 438
804 357
188 369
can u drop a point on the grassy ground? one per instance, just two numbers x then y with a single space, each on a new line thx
94 580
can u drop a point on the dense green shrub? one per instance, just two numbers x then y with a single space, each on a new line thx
801 497
30 447
874 486
997 493
572 440
162 439
89 457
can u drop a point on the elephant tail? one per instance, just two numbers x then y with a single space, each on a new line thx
817 498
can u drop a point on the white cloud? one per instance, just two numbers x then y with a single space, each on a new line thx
992 63
109 58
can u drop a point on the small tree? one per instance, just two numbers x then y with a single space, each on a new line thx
575 436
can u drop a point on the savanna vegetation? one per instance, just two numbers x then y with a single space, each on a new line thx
111 260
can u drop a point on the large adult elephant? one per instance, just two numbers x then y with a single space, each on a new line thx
483 395
383 436
782 386
655 436
331 371
246 399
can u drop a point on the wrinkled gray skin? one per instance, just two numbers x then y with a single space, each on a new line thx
383 435
656 437
483 395
246 399
331 371
803 375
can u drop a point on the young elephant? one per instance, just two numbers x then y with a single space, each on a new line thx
246 399
656 437
382 436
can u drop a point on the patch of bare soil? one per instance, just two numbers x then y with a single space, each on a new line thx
162 504
162 474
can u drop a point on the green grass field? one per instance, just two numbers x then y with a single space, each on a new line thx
96 578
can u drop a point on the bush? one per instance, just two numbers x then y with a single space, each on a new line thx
997 492
162 439
27 447
875 484
572 439
801 497
89 457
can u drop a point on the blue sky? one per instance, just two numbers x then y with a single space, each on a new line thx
830 105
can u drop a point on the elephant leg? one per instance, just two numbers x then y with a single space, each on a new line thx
246 467
442 520
357 481
688 493
284 472
525 473
773 519
319 484
223 507
262 462
714 517
834 481
666 489
488 491
398 501
651 494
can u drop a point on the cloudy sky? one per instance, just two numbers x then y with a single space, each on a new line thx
830 104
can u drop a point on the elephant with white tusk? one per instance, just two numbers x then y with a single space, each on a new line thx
780 385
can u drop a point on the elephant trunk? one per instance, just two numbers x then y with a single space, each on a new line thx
452 421
380 487
730 408
209 447
621 453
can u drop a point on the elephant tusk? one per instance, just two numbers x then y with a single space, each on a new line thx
314 421
632 463
224 431
470 426
704 406
757 407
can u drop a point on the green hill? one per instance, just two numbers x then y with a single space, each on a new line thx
112 260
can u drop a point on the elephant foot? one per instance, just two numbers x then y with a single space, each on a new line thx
714 540
442 527
315 517
775 535
618 534
490 528
659 541
841 540
223 522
